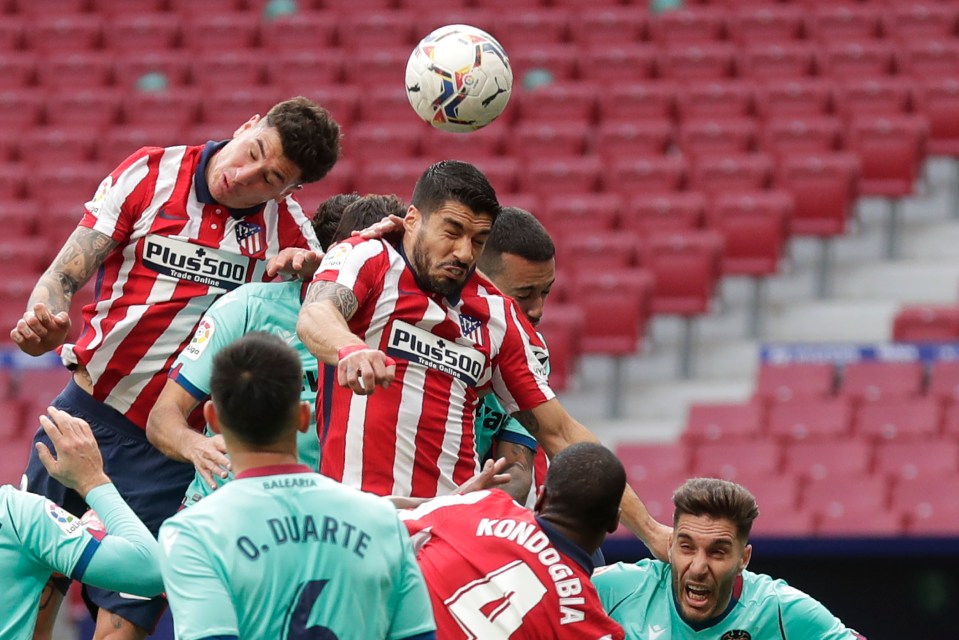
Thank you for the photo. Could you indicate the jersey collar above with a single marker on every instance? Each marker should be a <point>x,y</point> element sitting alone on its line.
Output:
<point>453,300</point>
<point>566,546</point>
<point>203,189</point>
<point>273,470</point>
<point>733,601</point>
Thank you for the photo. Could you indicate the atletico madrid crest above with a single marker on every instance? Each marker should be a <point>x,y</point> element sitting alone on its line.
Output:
<point>250,237</point>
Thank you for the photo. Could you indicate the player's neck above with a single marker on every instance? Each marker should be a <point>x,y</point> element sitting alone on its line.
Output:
<point>245,460</point>
<point>588,543</point>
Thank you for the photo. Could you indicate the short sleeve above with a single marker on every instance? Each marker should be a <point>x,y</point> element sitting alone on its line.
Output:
<point>802,616</point>
<point>412,611</point>
<point>120,198</point>
<point>355,263</point>
<point>519,375</point>
<point>49,535</point>
<point>199,599</point>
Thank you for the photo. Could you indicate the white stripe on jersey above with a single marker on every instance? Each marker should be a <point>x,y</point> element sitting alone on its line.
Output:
<point>411,407</point>
<point>353,471</point>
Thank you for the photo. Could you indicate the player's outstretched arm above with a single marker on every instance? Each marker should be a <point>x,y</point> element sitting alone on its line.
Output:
<point>45,324</point>
<point>555,429</point>
<point>168,430</point>
<point>322,327</point>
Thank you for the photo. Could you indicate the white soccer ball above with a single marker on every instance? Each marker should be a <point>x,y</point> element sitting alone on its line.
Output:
<point>458,78</point>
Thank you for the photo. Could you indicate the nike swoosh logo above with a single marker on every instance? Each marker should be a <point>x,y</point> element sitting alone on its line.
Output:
<point>655,633</point>
<point>169,216</point>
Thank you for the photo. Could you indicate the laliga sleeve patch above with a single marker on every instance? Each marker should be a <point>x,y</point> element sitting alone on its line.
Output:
<point>201,338</point>
<point>69,524</point>
<point>335,257</point>
<point>94,205</point>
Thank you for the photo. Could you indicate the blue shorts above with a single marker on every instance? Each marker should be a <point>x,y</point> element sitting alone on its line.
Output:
<point>152,484</point>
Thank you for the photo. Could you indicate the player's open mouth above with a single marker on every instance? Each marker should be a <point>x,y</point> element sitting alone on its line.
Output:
<point>697,596</point>
<point>454,272</point>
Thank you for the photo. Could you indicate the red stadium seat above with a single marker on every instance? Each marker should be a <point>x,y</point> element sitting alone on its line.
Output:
<point>205,8</point>
<point>775,494</point>
<point>612,64</point>
<point>726,421</point>
<point>220,32</point>
<point>115,9</point>
<point>849,497</point>
<point>17,70</point>
<point>845,22</point>
<point>518,29</point>
<point>874,97</point>
<point>531,139</point>
<point>777,61</point>
<point>18,218</point>
<point>502,173</point>
<point>925,58</point>
<point>647,461</point>
<point>732,460</point>
<point>237,68</point>
<point>639,101</point>
<point>795,97</point>
<point>646,176</point>
<point>586,247</point>
<point>385,104</point>
<point>13,179</point>
<point>51,33</point>
<point>382,70</point>
<point>230,106</point>
<point>913,20</point>
<point>934,522</point>
<point>367,140</point>
<point>559,102</point>
<point>11,33</point>
<point>686,268</point>
<point>718,100</point>
<point>930,504</point>
<point>697,62</point>
<point>688,26</point>
<point>789,136</point>
<point>562,327</point>
<point>24,256</point>
<point>362,30</point>
<point>873,381</point>
<point>149,31</point>
<point>910,419</point>
<point>733,173</point>
<point>754,227</point>
<point>891,150</point>
<point>561,61</point>
<point>824,187</point>
<point>609,26</point>
<point>94,109</point>
<point>944,381</point>
<point>307,67</point>
<point>49,146</point>
<point>389,176</point>
<point>856,60</point>
<point>657,494</point>
<point>680,211</point>
<point>829,459</point>
<point>343,101</point>
<point>66,187</point>
<point>75,70</point>
<point>623,139</point>
<point>568,216</point>
<point>810,420</point>
<point>845,522</point>
<point>783,524</point>
<point>15,455</point>
<point>21,109</point>
<point>561,175</point>
<point>768,23</point>
<point>719,137</point>
<point>171,66</point>
<point>117,143</point>
<point>938,100</point>
<point>438,145</point>
<point>616,307</point>
<point>299,32</point>
<point>176,109</point>
<point>926,323</point>
<point>910,460</point>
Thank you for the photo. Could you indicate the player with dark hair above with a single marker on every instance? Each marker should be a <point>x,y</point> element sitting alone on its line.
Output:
<point>328,215</point>
<point>282,552</point>
<point>38,537</point>
<point>167,232</point>
<point>705,590</point>
<point>453,338</point>
<point>272,307</point>
<point>496,570</point>
<point>519,258</point>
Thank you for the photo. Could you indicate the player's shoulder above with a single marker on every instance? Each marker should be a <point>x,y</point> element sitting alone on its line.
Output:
<point>762,589</point>
<point>353,248</point>
<point>629,577</point>
<point>268,291</point>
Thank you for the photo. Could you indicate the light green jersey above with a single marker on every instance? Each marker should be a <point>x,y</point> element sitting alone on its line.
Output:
<point>640,598</point>
<point>37,538</point>
<point>284,553</point>
<point>272,307</point>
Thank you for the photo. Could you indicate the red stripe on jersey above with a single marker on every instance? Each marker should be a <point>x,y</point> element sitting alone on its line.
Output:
<point>430,435</point>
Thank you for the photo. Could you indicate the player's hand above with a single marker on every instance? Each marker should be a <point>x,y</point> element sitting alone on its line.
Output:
<point>40,331</point>
<point>363,369</point>
<point>658,542</point>
<point>208,455</point>
<point>384,227</point>
<point>78,464</point>
<point>302,263</point>
<point>489,478</point>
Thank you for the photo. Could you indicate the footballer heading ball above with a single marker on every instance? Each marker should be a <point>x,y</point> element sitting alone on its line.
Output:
<point>458,78</point>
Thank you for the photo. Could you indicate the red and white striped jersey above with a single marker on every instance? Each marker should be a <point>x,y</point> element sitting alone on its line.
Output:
<point>416,437</point>
<point>178,250</point>
<point>494,570</point>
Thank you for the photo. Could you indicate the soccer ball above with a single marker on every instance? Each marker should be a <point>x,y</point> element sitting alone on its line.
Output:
<point>458,78</point>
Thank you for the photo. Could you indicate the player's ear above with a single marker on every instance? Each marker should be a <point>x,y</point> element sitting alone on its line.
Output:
<point>615,523</point>
<point>412,218</point>
<point>209,414</point>
<point>246,125</point>
<point>540,503</point>
<point>747,555</point>
<point>305,413</point>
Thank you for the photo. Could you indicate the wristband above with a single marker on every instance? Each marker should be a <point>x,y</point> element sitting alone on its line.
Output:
<point>353,348</point>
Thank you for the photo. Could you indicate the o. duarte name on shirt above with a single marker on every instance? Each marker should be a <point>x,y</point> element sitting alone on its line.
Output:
<point>422,347</point>
<point>193,263</point>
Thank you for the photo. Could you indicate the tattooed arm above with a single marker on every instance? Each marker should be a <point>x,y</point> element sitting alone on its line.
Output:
<point>555,429</point>
<point>45,325</point>
<point>323,328</point>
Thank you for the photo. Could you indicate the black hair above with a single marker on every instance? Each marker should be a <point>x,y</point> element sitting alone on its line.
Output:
<point>585,482</point>
<point>717,499</point>
<point>517,232</point>
<point>365,211</point>
<point>309,135</point>
<point>453,180</point>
